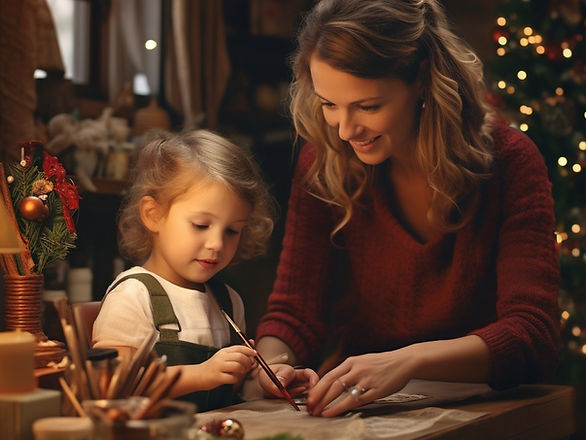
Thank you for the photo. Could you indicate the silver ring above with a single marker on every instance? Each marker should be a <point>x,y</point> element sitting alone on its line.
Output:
<point>356,391</point>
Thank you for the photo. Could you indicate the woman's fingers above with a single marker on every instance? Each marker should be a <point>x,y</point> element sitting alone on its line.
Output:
<point>350,401</point>
<point>324,392</point>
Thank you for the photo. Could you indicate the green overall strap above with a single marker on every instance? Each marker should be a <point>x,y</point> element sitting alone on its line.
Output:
<point>163,310</point>
<point>163,313</point>
<point>222,296</point>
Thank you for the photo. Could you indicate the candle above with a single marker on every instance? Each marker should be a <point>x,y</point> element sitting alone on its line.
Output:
<point>17,362</point>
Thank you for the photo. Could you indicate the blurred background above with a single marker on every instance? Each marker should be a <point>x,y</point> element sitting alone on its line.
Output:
<point>90,78</point>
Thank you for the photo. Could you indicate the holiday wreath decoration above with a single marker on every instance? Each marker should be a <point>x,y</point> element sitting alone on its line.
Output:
<point>44,202</point>
<point>41,203</point>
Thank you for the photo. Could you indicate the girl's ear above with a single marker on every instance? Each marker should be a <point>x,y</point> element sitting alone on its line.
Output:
<point>150,213</point>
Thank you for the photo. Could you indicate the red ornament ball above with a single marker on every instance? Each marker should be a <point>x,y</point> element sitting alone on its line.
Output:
<point>33,208</point>
<point>554,52</point>
<point>497,33</point>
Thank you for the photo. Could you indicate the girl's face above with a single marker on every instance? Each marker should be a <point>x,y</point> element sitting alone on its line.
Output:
<point>377,117</point>
<point>199,235</point>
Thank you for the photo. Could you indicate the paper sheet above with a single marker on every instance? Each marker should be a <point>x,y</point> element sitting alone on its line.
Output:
<point>401,416</point>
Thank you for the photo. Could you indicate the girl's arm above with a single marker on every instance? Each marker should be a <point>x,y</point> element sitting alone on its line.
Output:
<point>227,366</point>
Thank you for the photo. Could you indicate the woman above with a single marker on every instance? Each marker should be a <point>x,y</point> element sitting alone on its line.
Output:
<point>420,229</point>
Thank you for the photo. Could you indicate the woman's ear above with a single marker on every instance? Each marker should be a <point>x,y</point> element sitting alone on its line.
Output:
<point>421,83</point>
<point>150,213</point>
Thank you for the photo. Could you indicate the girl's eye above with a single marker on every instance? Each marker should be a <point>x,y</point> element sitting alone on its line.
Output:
<point>232,232</point>
<point>201,227</point>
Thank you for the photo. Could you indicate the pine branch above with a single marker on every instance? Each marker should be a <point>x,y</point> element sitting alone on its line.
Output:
<point>48,239</point>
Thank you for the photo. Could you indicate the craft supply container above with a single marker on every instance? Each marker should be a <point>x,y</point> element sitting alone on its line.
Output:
<point>110,418</point>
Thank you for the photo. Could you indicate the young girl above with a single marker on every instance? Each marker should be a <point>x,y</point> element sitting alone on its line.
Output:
<point>197,204</point>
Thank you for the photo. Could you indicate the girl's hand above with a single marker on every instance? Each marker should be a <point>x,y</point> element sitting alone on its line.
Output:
<point>228,366</point>
<point>372,376</point>
<point>295,380</point>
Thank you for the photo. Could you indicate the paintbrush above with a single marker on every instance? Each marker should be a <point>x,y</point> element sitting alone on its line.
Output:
<point>262,362</point>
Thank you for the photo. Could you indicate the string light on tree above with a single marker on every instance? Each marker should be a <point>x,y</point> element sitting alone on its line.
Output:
<point>540,78</point>
<point>526,110</point>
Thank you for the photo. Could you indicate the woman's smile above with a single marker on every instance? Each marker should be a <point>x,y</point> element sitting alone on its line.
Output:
<point>364,146</point>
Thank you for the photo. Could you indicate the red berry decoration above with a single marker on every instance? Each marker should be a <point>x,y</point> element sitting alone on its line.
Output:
<point>33,208</point>
<point>497,33</point>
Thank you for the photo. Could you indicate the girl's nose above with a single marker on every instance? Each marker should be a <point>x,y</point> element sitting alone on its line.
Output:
<point>214,241</point>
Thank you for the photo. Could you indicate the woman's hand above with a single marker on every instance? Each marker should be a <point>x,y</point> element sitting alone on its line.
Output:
<point>295,380</point>
<point>228,366</point>
<point>375,375</point>
<point>359,380</point>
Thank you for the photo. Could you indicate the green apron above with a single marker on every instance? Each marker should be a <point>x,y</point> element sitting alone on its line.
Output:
<point>186,353</point>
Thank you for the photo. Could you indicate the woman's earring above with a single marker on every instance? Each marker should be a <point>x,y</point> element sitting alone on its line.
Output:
<point>422,105</point>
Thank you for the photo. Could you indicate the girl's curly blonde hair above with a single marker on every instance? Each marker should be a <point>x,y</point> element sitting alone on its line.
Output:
<point>170,163</point>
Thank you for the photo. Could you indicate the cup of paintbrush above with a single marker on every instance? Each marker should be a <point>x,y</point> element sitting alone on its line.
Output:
<point>100,366</point>
<point>117,419</point>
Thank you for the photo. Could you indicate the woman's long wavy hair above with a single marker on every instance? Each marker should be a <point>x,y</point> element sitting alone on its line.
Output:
<point>171,163</point>
<point>408,40</point>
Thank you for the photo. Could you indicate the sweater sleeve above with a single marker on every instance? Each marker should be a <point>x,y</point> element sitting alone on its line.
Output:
<point>524,341</point>
<point>294,311</point>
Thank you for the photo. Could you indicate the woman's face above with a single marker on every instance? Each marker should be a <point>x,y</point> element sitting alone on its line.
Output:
<point>377,117</point>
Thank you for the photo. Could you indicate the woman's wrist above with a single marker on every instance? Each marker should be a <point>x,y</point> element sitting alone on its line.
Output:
<point>415,360</point>
<point>461,359</point>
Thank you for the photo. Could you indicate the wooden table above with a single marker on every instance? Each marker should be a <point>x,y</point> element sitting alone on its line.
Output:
<point>531,412</point>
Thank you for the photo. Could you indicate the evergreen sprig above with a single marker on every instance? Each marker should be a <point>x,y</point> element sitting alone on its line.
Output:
<point>48,240</point>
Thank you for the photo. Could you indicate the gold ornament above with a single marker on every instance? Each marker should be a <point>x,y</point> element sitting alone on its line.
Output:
<point>232,428</point>
<point>33,208</point>
<point>224,428</point>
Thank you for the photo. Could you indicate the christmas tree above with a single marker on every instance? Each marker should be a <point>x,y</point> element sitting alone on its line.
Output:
<point>538,82</point>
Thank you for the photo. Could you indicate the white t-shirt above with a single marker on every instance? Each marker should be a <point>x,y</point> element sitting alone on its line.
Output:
<point>126,316</point>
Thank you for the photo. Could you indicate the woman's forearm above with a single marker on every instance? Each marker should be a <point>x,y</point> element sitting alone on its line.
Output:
<point>465,359</point>
<point>271,348</point>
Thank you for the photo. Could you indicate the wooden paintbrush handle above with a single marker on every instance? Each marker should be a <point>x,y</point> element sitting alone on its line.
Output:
<point>160,394</point>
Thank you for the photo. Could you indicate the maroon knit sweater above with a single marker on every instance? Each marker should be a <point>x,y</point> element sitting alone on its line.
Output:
<point>497,278</point>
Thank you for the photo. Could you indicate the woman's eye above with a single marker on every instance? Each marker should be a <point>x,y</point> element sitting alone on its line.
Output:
<point>369,108</point>
<point>327,105</point>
